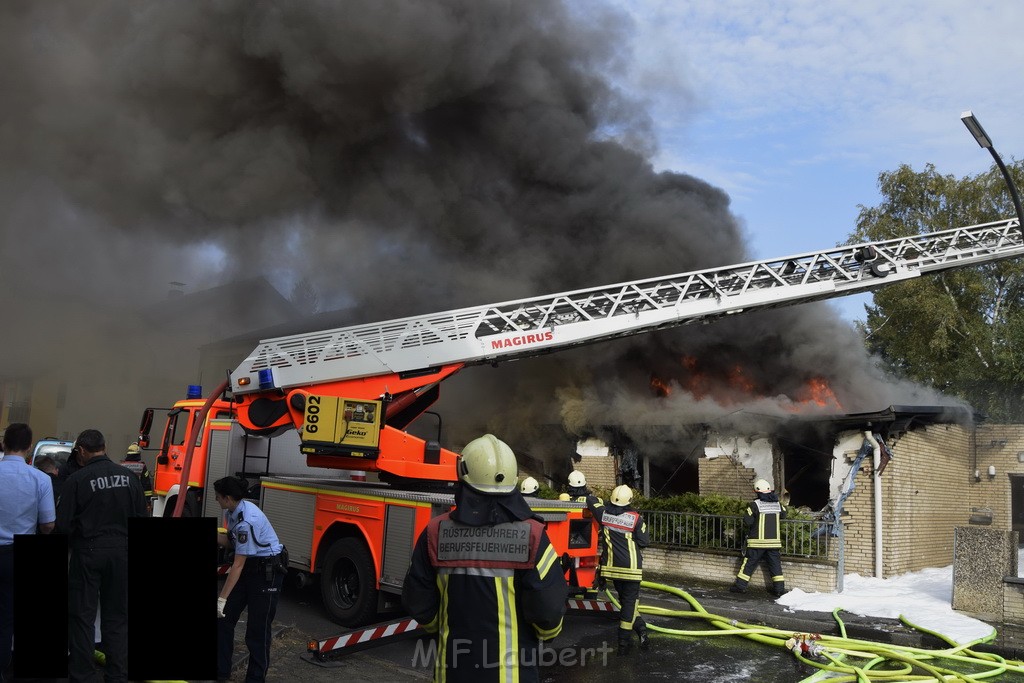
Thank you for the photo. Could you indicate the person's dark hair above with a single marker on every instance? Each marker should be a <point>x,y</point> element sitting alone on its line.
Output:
<point>47,463</point>
<point>91,441</point>
<point>231,487</point>
<point>17,437</point>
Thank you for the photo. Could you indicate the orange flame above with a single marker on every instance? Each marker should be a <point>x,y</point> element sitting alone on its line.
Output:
<point>738,386</point>
<point>817,391</point>
<point>660,387</point>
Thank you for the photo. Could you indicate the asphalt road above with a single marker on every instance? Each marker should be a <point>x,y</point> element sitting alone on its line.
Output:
<point>585,651</point>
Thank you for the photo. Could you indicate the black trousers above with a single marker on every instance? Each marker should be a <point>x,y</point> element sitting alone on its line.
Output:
<point>98,576</point>
<point>629,617</point>
<point>753,557</point>
<point>6,606</point>
<point>259,596</point>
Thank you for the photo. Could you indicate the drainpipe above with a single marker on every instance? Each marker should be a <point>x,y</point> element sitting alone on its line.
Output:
<point>877,460</point>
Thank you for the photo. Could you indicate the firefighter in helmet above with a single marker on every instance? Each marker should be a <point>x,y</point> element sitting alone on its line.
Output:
<point>577,488</point>
<point>133,461</point>
<point>623,534</point>
<point>763,518</point>
<point>529,487</point>
<point>484,577</point>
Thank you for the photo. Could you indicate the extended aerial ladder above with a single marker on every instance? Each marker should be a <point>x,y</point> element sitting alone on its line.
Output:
<point>352,390</point>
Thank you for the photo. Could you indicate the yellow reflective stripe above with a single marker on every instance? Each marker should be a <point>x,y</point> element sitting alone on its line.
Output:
<point>546,561</point>
<point>742,574</point>
<point>548,633</point>
<point>508,640</point>
<point>440,668</point>
<point>780,577</point>
<point>632,550</point>
<point>622,573</point>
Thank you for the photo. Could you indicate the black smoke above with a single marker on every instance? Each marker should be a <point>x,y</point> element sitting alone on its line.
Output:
<point>400,158</point>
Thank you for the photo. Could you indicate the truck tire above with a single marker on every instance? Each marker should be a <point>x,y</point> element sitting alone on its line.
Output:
<point>348,583</point>
<point>193,507</point>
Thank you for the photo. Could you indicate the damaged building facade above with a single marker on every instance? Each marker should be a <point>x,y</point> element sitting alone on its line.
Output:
<point>901,481</point>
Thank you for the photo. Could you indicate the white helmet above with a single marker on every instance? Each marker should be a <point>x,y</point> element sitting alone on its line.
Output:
<point>577,479</point>
<point>621,495</point>
<point>488,465</point>
<point>528,486</point>
<point>762,486</point>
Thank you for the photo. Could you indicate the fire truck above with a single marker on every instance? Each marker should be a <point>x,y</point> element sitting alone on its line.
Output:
<point>322,418</point>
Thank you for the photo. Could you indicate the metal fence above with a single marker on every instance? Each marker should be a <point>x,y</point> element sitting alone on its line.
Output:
<point>800,537</point>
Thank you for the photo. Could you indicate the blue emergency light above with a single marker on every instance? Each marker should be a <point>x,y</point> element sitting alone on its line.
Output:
<point>194,391</point>
<point>266,377</point>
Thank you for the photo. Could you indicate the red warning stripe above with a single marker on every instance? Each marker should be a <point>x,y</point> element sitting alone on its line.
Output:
<point>366,635</point>
<point>591,605</point>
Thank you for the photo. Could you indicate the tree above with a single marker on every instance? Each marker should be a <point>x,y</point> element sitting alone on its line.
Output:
<point>962,331</point>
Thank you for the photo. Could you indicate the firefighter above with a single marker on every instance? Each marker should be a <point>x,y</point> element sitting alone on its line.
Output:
<point>95,504</point>
<point>529,487</point>
<point>133,461</point>
<point>764,539</point>
<point>577,488</point>
<point>253,581</point>
<point>485,577</point>
<point>623,534</point>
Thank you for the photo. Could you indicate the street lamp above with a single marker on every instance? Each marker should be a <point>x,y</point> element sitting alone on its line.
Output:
<point>986,142</point>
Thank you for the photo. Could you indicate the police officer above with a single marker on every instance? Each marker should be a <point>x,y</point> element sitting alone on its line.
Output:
<point>95,504</point>
<point>253,581</point>
<point>485,577</point>
<point>623,534</point>
<point>764,539</point>
<point>26,507</point>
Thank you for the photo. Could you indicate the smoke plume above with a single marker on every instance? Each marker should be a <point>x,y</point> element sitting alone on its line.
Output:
<point>394,157</point>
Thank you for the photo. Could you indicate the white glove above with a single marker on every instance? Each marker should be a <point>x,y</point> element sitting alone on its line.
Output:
<point>220,606</point>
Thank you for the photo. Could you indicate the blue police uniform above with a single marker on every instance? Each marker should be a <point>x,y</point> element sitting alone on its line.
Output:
<point>27,502</point>
<point>257,589</point>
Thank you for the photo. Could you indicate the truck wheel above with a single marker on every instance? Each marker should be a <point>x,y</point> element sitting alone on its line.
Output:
<point>348,584</point>
<point>193,508</point>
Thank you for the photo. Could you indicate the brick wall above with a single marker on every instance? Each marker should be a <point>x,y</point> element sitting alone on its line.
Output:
<point>726,477</point>
<point>998,446</point>
<point>925,497</point>
<point>1013,601</point>
<point>600,472</point>
<point>710,566</point>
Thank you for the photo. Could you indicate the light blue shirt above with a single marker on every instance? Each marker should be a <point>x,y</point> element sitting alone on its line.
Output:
<point>250,531</point>
<point>27,499</point>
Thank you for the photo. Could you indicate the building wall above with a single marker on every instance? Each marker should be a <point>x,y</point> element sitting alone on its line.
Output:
<point>859,523</point>
<point>925,497</point>
<point>1013,601</point>
<point>709,566</point>
<point>600,472</point>
<point>1002,447</point>
<point>725,476</point>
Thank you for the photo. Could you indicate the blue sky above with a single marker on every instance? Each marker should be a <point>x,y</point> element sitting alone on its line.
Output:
<point>794,108</point>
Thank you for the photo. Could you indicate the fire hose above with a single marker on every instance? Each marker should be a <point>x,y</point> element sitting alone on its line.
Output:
<point>836,655</point>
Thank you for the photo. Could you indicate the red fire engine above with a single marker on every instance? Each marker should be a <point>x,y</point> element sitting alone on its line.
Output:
<point>339,402</point>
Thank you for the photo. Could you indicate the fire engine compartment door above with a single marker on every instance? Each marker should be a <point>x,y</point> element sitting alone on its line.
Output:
<point>399,539</point>
<point>291,515</point>
<point>341,426</point>
<point>218,456</point>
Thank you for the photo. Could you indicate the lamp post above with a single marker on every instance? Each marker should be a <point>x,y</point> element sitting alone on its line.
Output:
<point>986,142</point>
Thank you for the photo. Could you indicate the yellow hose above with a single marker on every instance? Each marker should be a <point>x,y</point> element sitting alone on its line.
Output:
<point>901,663</point>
